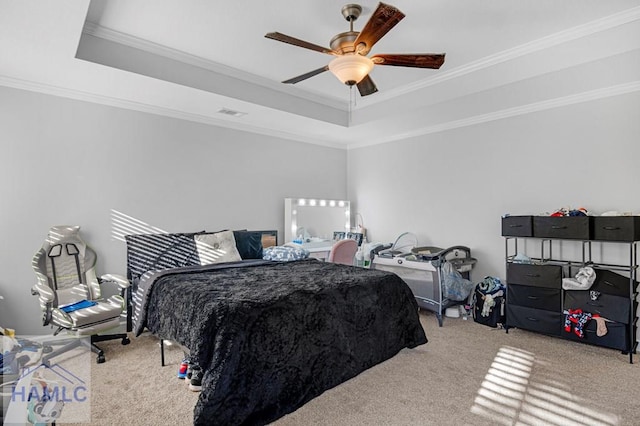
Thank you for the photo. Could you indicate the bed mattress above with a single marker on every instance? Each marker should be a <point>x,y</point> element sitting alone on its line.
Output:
<point>271,336</point>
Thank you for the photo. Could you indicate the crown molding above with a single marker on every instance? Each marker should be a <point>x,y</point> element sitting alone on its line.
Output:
<point>95,30</point>
<point>606,92</point>
<point>561,37</point>
<point>237,124</point>
<point>230,123</point>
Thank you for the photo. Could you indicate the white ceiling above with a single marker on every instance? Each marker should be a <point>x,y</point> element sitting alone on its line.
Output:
<point>189,59</point>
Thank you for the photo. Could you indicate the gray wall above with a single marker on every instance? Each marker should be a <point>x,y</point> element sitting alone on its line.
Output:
<point>453,187</point>
<point>72,162</point>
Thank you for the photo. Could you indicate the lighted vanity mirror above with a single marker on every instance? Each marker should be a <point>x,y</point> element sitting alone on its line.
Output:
<point>315,219</point>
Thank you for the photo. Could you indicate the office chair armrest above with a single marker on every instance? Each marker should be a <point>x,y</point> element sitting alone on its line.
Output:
<point>46,298</point>
<point>43,292</point>
<point>118,279</point>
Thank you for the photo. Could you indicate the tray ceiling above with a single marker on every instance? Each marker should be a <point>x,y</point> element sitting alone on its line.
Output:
<point>192,59</point>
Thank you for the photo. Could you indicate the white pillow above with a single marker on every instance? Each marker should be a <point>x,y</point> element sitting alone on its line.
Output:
<point>217,248</point>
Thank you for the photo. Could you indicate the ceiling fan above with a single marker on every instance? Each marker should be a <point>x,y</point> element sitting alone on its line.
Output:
<point>351,64</point>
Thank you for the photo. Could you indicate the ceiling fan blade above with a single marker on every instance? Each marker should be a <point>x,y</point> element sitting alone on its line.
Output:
<point>305,76</point>
<point>434,61</point>
<point>300,43</point>
<point>383,19</point>
<point>367,86</point>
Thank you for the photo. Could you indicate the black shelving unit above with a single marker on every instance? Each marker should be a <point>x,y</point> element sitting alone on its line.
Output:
<point>535,297</point>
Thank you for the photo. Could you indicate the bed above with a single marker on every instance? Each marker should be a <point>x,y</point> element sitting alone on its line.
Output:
<point>270,336</point>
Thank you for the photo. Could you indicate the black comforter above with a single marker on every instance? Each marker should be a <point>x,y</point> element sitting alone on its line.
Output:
<point>272,336</point>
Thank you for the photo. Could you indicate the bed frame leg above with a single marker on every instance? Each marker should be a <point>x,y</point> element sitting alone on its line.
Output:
<point>162,352</point>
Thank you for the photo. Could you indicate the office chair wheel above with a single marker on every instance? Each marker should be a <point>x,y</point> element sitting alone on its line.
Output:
<point>126,340</point>
<point>100,359</point>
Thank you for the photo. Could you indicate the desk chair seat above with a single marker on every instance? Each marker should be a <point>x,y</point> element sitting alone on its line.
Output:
<point>89,320</point>
<point>70,293</point>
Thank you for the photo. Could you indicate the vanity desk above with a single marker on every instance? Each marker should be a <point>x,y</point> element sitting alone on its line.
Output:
<point>317,249</point>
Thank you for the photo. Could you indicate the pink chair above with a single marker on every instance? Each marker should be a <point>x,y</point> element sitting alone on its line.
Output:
<point>343,252</point>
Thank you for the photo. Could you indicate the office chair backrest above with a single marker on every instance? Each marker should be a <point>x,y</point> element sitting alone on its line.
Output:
<point>343,252</point>
<point>66,265</point>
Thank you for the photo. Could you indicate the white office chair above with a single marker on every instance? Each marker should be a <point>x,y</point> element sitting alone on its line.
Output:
<point>69,291</point>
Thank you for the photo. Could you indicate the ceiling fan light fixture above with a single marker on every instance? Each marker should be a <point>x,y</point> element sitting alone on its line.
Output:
<point>351,69</point>
<point>350,49</point>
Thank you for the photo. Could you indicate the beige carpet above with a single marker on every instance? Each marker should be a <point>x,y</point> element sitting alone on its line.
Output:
<point>467,374</point>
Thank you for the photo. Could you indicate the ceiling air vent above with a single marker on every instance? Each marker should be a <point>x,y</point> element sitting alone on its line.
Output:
<point>227,111</point>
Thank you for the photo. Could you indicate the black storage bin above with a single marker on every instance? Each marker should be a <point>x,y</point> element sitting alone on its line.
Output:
<point>616,228</point>
<point>617,336</point>
<point>612,283</point>
<point>567,227</point>
<point>541,321</point>
<point>517,226</point>
<point>535,297</point>
<point>534,275</point>
<point>616,308</point>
